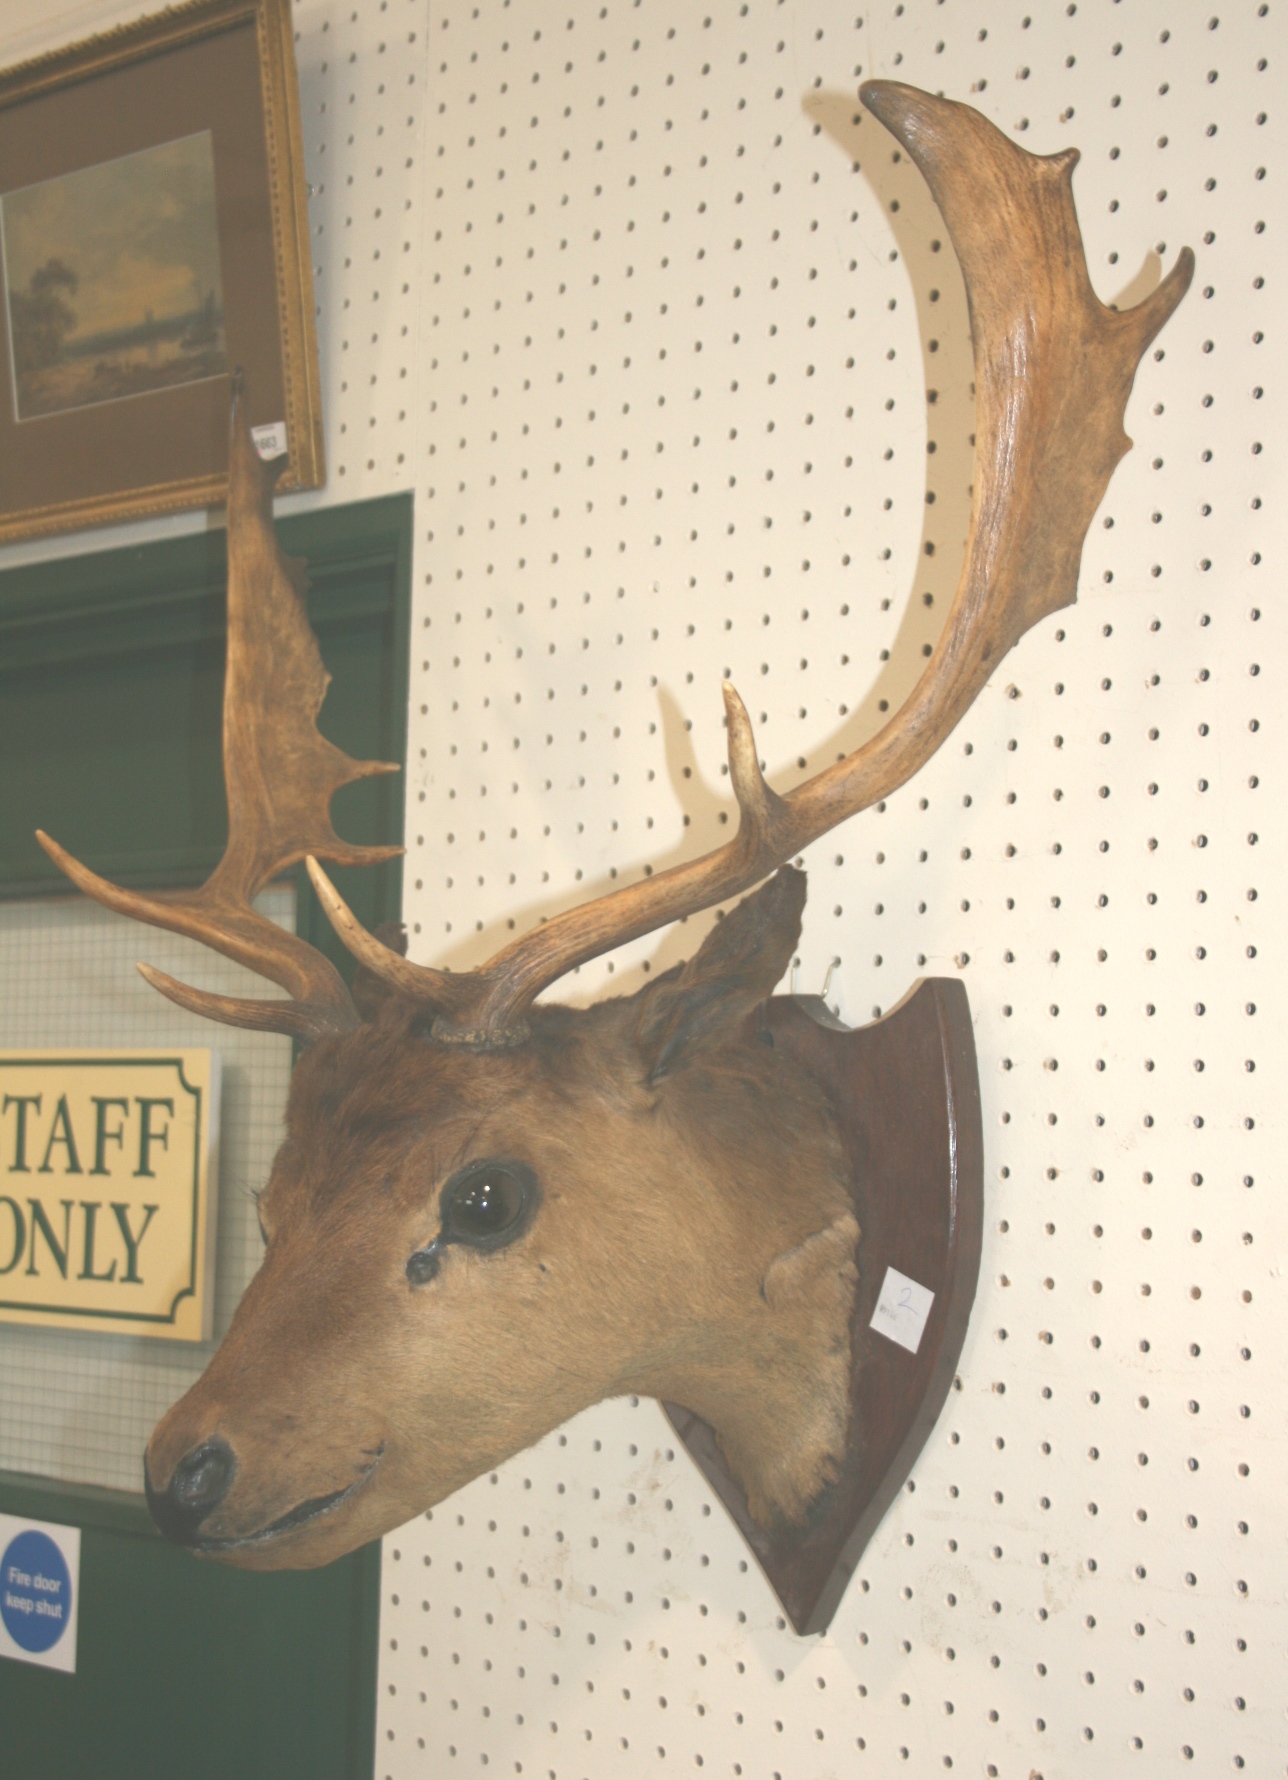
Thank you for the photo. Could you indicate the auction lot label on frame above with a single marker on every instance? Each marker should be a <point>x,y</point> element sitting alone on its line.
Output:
<point>39,1592</point>
<point>108,1186</point>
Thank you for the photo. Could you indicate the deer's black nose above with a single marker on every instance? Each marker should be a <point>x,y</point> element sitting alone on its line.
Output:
<point>198,1484</point>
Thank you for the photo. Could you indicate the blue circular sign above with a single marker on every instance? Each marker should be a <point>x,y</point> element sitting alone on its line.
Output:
<point>35,1591</point>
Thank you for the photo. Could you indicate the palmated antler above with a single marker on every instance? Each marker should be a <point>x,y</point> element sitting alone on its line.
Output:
<point>1053,371</point>
<point>280,776</point>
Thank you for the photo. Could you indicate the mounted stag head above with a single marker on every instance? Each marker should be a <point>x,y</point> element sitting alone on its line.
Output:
<point>490,1212</point>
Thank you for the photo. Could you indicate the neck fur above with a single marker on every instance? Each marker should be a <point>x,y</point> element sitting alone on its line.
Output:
<point>775,1387</point>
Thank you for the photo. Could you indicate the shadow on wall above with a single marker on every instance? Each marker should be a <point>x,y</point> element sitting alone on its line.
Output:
<point>943,327</point>
<point>939,295</point>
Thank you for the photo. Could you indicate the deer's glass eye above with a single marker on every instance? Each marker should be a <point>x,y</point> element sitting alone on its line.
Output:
<point>488,1203</point>
<point>484,1204</point>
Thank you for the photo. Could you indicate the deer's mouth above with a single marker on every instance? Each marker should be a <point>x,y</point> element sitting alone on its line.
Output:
<point>302,1515</point>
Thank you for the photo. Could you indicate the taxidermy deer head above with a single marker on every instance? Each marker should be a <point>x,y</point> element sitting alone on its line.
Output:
<point>490,1212</point>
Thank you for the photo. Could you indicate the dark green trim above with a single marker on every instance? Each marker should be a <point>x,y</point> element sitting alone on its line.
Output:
<point>75,1504</point>
<point>364,1662</point>
<point>189,1644</point>
<point>84,619</point>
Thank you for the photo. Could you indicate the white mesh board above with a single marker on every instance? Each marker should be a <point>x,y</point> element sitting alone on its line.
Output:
<point>80,1406</point>
<point>622,292</point>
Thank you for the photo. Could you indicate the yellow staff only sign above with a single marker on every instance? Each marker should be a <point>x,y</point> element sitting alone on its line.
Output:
<point>108,1185</point>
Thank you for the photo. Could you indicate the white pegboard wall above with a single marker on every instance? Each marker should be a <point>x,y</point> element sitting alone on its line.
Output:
<point>362,107</point>
<point>680,314</point>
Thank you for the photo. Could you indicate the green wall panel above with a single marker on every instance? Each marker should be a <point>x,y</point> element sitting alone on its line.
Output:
<point>187,1670</point>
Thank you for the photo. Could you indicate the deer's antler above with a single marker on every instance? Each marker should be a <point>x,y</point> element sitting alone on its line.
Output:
<point>1053,371</point>
<point>280,776</point>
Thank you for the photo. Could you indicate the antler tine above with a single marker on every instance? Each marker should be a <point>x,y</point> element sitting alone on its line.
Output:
<point>280,774</point>
<point>762,811</point>
<point>462,1001</point>
<point>439,988</point>
<point>297,1019</point>
<point>1053,370</point>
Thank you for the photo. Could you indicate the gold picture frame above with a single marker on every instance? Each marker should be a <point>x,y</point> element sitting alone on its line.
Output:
<point>154,235</point>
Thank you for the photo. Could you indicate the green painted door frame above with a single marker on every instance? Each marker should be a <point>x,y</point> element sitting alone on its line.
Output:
<point>111,682</point>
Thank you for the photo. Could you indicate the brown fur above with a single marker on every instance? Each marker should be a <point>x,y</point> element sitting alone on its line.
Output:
<point>694,1241</point>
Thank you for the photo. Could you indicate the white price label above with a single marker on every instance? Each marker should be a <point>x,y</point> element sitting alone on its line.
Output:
<point>270,441</point>
<point>902,1309</point>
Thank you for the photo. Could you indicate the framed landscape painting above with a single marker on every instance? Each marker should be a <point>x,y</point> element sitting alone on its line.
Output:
<point>153,238</point>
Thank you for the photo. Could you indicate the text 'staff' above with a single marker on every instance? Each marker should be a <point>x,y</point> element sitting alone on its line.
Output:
<point>108,1185</point>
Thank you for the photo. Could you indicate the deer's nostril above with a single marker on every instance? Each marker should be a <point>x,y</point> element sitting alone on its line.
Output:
<point>200,1481</point>
<point>198,1484</point>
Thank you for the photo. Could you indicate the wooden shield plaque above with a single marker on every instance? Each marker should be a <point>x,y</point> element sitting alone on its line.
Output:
<point>906,1094</point>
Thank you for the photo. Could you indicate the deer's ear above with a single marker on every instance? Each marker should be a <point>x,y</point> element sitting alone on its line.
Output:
<point>370,992</point>
<point>696,1006</point>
